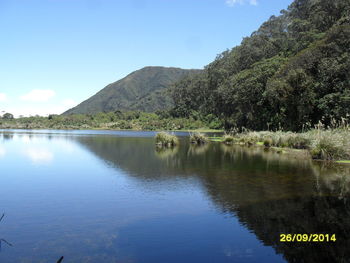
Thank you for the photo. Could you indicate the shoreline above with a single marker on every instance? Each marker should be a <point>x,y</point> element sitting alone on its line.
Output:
<point>216,139</point>
<point>205,130</point>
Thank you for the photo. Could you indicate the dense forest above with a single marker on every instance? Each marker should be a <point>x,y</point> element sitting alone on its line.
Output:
<point>292,71</point>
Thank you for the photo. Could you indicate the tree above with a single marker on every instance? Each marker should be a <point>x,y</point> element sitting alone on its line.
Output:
<point>7,116</point>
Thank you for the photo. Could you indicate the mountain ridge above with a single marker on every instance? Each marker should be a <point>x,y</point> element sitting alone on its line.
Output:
<point>143,89</point>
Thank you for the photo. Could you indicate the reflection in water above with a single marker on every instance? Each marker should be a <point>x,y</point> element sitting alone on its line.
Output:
<point>2,152</point>
<point>198,149</point>
<point>254,195</point>
<point>1,239</point>
<point>333,180</point>
<point>39,155</point>
<point>269,192</point>
<point>6,136</point>
<point>166,152</point>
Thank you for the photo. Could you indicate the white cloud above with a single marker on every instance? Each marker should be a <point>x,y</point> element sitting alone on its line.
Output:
<point>3,97</point>
<point>39,155</point>
<point>241,2</point>
<point>38,95</point>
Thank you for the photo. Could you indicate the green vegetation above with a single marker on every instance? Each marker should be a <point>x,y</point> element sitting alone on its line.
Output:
<point>228,139</point>
<point>164,139</point>
<point>322,144</point>
<point>109,121</point>
<point>198,138</point>
<point>215,139</point>
<point>143,90</point>
<point>331,145</point>
<point>343,161</point>
<point>293,70</point>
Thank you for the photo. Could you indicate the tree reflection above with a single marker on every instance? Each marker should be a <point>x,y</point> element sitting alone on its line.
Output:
<point>270,192</point>
<point>1,239</point>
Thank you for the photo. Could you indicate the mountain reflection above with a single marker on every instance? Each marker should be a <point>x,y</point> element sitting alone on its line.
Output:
<point>270,193</point>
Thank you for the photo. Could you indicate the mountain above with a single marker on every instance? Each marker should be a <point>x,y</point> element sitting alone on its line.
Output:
<point>291,73</point>
<point>145,90</point>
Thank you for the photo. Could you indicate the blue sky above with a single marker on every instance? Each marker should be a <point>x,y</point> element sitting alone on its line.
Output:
<point>56,53</point>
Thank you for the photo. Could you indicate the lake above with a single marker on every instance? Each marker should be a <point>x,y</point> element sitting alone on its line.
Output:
<point>105,196</point>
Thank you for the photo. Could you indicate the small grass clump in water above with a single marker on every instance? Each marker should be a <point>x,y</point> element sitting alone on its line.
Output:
<point>165,139</point>
<point>198,138</point>
<point>228,139</point>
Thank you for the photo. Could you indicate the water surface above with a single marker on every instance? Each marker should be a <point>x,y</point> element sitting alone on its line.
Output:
<point>113,197</point>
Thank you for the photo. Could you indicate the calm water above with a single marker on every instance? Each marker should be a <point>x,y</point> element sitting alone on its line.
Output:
<point>112,197</point>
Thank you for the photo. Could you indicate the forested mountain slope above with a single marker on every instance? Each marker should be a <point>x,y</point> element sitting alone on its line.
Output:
<point>294,70</point>
<point>144,90</point>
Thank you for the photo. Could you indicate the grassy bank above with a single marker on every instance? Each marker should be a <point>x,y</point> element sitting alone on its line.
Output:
<point>322,144</point>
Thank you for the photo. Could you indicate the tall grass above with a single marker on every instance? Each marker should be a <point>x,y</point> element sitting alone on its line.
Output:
<point>165,139</point>
<point>198,138</point>
<point>229,139</point>
<point>325,143</point>
<point>330,144</point>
